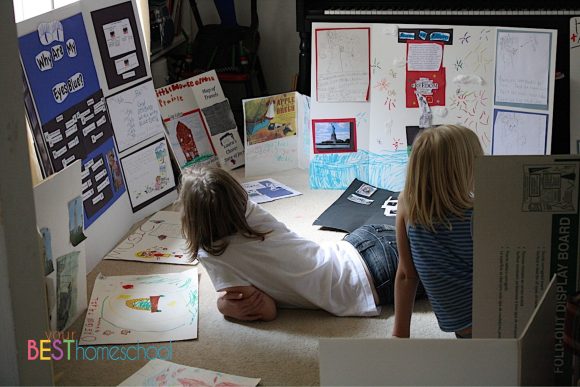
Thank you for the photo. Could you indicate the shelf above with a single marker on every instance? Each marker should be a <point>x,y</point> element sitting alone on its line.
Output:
<point>177,41</point>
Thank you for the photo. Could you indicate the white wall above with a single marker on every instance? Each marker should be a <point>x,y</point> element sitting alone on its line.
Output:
<point>22,291</point>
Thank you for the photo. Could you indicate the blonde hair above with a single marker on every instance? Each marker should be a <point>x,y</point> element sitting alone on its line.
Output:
<point>440,175</point>
<point>213,206</point>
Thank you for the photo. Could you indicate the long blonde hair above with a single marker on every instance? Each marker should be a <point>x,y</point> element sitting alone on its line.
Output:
<point>440,175</point>
<point>213,206</point>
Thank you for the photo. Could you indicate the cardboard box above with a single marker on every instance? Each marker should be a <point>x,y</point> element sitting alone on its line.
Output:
<point>525,231</point>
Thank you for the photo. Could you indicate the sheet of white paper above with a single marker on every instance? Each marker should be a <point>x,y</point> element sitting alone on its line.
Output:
<point>424,56</point>
<point>267,190</point>
<point>119,37</point>
<point>342,58</point>
<point>158,240</point>
<point>142,309</point>
<point>164,373</point>
<point>523,68</point>
<point>518,133</point>
<point>148,173</point>
<point>135,115</point>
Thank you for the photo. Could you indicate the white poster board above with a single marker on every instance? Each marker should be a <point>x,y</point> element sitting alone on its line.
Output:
<point>423,76</point>
<point>445,362</point>
<point>513,264</point>
<point>142,309</point>
<point>74,58</point>
<point>59,218</point>
<point>197,114</point>
<point>158,239</point>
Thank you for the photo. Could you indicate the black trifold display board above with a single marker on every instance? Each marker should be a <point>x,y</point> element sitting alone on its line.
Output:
<point>347,215</point>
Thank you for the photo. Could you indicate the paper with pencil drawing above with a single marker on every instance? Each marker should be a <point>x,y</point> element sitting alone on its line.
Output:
<point>164,373</point>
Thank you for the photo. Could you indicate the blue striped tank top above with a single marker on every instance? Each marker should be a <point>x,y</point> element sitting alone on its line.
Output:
<point>444,262</point>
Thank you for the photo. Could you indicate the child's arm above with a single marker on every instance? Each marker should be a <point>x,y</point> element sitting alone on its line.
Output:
<point>247,303</point>
<point>406,279</point>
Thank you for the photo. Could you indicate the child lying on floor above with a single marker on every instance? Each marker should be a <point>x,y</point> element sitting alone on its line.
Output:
<point>260,264</point>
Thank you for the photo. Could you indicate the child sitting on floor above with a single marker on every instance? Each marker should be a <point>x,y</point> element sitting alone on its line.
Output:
<point>434,229</point>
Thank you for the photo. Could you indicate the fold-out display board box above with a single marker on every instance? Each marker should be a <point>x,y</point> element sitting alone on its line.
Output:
<point>372,362</point>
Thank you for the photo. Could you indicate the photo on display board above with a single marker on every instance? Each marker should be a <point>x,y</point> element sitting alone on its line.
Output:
<point>119,44</point>
<point>334,135</point>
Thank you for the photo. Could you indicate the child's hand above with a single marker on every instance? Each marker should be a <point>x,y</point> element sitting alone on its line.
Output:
<point>247,303</point>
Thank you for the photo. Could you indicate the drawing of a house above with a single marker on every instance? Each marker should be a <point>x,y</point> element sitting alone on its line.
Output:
<point>186,141</point>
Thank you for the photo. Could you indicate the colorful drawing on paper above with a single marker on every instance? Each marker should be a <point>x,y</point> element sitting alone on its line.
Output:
<point>270,118</point>
<point>47,250</point>
<point>337,170</point>
<point>159,372</point>
<point>75,221</point>
<point>334,135</point>
<point>142,309</point>
<point>189,139</point>
<point>158,239</point>
<point>148,174</point>
<point>66,288</point>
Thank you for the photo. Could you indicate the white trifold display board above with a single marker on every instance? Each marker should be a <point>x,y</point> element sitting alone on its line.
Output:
<point>373,86</point>
<point>525,360</point>
<point>89,96</point>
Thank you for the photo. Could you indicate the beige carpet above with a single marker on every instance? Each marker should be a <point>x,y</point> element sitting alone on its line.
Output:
<point>281,352</point>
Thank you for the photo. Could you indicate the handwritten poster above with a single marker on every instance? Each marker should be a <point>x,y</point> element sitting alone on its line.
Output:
<point>522,72</point>
<point>135,115</point>
<point>159,239</point>
<point>159,372</point>
<point>204,92</point>
<point>342,64</point>
<point>66,104</point>
<point>148,174</point>
<point>142,309</point>
<point>424,56</point>
<point>519,133</point>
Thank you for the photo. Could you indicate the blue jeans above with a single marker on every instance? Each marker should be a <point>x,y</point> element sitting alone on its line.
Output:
<point>377,245</point>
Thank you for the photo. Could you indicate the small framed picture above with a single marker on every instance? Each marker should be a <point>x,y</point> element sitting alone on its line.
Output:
<point>366,190</point>
<point>334,135</point>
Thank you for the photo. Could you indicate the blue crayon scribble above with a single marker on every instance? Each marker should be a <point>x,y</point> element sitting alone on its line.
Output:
<point>442,36</point>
